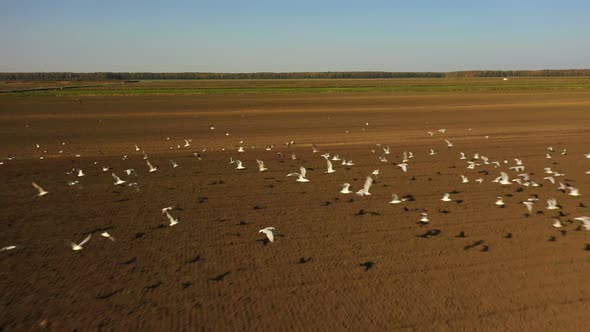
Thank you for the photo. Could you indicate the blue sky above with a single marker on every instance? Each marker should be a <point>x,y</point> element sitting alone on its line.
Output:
<point>249,36</point>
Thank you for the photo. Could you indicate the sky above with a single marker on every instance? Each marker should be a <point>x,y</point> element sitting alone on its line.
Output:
<point>297,35</point>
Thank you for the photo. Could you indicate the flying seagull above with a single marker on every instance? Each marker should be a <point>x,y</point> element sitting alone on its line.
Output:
<point>366,187</point>
<point>152,168</point>
<point>76,247</point>
<point>301,175</point>
<point>261,166</point>
<point>345,189</point>
<point>118,180</point>
<point>42,192</point>
<point>269,232</point>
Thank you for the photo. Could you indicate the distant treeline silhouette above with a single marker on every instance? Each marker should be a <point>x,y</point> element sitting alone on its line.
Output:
<point>107,76</point>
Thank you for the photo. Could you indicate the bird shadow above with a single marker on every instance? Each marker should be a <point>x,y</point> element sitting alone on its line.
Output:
<point>367,265</point>
<point>220,277</point>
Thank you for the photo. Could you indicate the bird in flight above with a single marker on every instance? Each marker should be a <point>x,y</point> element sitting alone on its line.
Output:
<point>41,191</point>
<point>301,175</point>
<point>270,233</point>
<point>76,247</point>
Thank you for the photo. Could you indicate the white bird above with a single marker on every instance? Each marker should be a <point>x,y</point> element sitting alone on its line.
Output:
<point>449,143</point>
<point>550,179</point>
<point>336,157</point>
<point>499,201</point>
<point>240,149</point>
<point>424,218</point>
<point>557,223</point>
<point>345,189</point>
<point>464,179</point>
<point>430,133</point>
<point>137,149</point>
<point>462,156</point>
<point>118,180</point>
<point>270,233</point>
<point>432,152</point>
<point>261,166</point>
<point>239,165</point>
<point>395,199</point>
<point>301,175</point>
<point>442,130</point>
<point>168,208</point>
<point>446,197</point>
<point>130,171</point>
<point>564,152</point>
<point>547,156</point>
<point>480,180</point>
<point>80,173</point>
<point>107,235</point>
<point>587,155</point>
<point>78,246</point>
<point>529,206</point>
<point>573,191</point>
<point>171,219</point>
<point>329,165</point>
<point>387,150</point>
<point>187,143</point>
<point>550,148</point>
<point>552,204</point>
<point>366,187</point>
<point>152,168</point>
<point>585,221</point>
<point>42,191</point>
<point>375,172</point>
<point>174,164</point>
<point>504,180</point>
<point>105,169</point>
<point>403,166</point>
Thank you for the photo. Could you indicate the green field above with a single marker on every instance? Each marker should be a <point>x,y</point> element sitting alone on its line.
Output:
<point>180,87</point>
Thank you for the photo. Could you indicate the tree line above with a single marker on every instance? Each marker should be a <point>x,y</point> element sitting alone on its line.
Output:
<point>133,76</point>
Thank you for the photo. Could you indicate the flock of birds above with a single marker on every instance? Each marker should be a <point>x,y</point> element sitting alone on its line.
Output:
<point>477,160</point>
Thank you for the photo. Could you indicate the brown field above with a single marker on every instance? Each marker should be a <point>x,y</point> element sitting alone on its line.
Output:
<point>213,271</point>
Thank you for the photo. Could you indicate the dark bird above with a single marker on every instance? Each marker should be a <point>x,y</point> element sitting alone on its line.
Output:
<point>368,265</point>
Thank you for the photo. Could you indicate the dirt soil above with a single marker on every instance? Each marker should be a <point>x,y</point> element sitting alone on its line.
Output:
<point>339,262</point>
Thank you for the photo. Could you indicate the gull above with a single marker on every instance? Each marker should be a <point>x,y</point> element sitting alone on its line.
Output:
<point>268,148</point>
<point>499,201</point>
<point>168,208</point>
<point>295,157</point>
<point>300,175</point>
<point>366,187</point>
<point>73,183</point>
<point>585,221</point>
<point>504,179</point>
<point>462,156</point>
<point>187,143</point>
<point>562,187</point>
<point>430,133</point>
<point>472,164</point>
<point>314,148</point>
<point>105,169</point>
<point>395,199</point>
<point>550,148</point>
<point>137,149</point>
<point>464,179</point>
<point>345,189</point>
<point>152,168</point>
<point>550,179</point>
<point>387,149</point>
<point>557,223</point>
<point>77,247</point>
<point>261,166</point>
<point>174,164</point>
<point>446,197</point>
<point>442,130</point>
<point>107,235</point>
<point>588,172</point>
<point>42,192</point>
<point>125,157</point>
<point>518,161</point>
<point>325,155</point>
<point>270,233</point>
<point>383,159</point>
<point>573,191</point>
<point>449,143</point>
<point>403,166</point>
<point>496,164</point>
<point>375,172</point>
<point>564,152</point>
<point>432,152</point>
<point>118,180</point>
<point>480,180</point>
<point>552,204</point>
<point>240,149</point>
<point>587,155</point>
<point>171,219</point>
<point>130,171</point>
<point>239,165</point>
<point>80,173</point>
<point>424,219</point>
<point>529,206</point>
<point>336,157</point>
<point>519,168</point>
<point>547,156</point>
<point>349,163</point>
<point>7,248</point>
<point>329,165</point>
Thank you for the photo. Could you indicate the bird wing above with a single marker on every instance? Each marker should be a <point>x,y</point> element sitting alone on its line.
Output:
<point>149,164</point>
<point>329,165</point>
<point>37,187</point>
<point>86,239</point>
<point>394,197</point>
<point>504,176</point>
<point>368,184</point>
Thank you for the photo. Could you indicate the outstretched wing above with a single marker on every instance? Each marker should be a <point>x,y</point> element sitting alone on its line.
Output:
<point>37,187</point>
<point>368,184</point>
<point>86,239</point>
